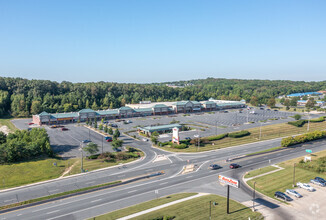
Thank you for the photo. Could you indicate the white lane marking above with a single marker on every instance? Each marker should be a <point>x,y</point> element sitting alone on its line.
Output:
<point>177,173</point>
<point>20,214</point>
<point>188,177</point>
<point>201,165</point>
<point>53,212</point>
<point>90,182</point>
<point>172,165</point>
<point>96,200</point>
<point>212,171</point>
<point>53,190</point>
<point>121,175</point>
<point>169,159</point>
<point>9,200</point>
<point>133,191</point>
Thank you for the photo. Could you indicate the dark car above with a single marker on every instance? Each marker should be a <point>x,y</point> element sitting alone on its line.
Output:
<point>117,149</point>
<point>234,165</point>
<point>268,109</point>
<point>320,179</point>
<point>214,166</point>
<point>275,110</point>
<point>283,196</point>
<point>64,129</point>
<point>107,137</point>
<point>30,123</point>
<point>86,141</point>
<point>261,108</point>
<point>187,138</point>
<point>114,125</point>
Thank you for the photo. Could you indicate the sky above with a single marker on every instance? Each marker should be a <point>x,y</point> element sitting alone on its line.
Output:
<point>144,41</point>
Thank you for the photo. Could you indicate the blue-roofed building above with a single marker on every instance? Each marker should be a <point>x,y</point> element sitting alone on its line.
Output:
<point>148,130</point>
<point>304,94</point>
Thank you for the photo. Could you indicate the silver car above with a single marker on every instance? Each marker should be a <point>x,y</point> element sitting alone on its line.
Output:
<point>293,193</point>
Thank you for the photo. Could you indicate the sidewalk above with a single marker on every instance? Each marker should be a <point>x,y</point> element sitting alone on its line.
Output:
<point>161,206</point>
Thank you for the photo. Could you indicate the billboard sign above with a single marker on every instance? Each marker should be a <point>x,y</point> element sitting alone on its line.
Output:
<point>175,136</point>
<point>229,181</point>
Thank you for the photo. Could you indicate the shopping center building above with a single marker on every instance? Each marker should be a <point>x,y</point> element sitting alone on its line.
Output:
<point>137,110</point>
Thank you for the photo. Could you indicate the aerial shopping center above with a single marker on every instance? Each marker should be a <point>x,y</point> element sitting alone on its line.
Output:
<point>145,108</point>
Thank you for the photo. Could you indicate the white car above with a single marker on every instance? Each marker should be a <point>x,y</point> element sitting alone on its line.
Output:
<point>293,193</point>
<point>145,139</point>
<point>306,186</point>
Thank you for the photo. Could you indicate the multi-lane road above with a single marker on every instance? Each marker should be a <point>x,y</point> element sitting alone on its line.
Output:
<point>202,179</point>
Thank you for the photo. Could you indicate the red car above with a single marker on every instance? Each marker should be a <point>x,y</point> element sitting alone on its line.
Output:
<point>64,129</point>
<point>109,140</point>
<point>234,165</point>
<point>30,123</point>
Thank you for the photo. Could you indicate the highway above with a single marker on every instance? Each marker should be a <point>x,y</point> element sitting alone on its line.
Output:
<point>201,180</point>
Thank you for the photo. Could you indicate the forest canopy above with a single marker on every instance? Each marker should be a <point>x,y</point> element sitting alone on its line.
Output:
<point>22,97</point>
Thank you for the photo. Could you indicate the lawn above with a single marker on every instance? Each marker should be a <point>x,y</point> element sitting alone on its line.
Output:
<point>260,171</point>
<point>198,209</point>
<point>265,151</point>
<point>143,206</point>
<point>282,180</point>
<point>7,122</point>
<point>267,132</point>
<point>22,173</point>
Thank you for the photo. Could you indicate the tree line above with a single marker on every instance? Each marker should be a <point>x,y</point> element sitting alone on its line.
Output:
<point>23,98</point>
<point>24,145</point>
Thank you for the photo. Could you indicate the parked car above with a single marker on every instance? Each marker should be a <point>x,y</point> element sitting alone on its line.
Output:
<point>283,196</point>
<point>320,179</point>
<point>117,149</point>
<point>114,125</point>
<point>214,166</point>
<point>64,129</point>
<point>261,108</point>
<point>293,193</point>
<point>234,166</point>
<point>187,138</point>
<point>145,139</point>
<point>108,139</point>
<point>129,121</point>
<point>268,109</point>
<point>53,126</point>
<point>28,129</point>
<point>317,182</point>
<point>306,186</point>
<point>86,141</point>
<point>31,123</point>
<point>275,110</point>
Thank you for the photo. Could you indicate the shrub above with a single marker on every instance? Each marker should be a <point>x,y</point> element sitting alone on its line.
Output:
<point>297,117</point>
<point>112,160</point>
<point>180,146</point>
<point>239,134</point>
<point>321,119</point>
<point>217,137</point>
<point>93,157</point>
<point>289,141</point>
<point>298,123</point>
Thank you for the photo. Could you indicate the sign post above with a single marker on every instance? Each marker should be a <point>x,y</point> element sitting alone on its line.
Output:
<point>229,182</point>
<point>175,135</point>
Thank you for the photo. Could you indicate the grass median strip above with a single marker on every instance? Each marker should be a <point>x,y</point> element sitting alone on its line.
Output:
<point>58,195</point>
<point>142,206</point>
<point>265,151</point>
<point>260,171</point>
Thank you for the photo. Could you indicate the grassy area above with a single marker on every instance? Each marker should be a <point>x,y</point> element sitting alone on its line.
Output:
<point>56,195</point>
<point>7,122</point>
<point>260,171</point>
<point>22,173</point>
<point>143,206</point>
<point>265,151</point>
<point>282,180</point>
<point>267,132</point>
<point>198,208</point>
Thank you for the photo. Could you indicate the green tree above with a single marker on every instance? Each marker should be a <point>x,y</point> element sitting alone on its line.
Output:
<point>100,127</point>
<point>95,123</point>
<point>106,128</point>
<point>110,131</point>
<point>117,143</point>
<point>91,148</point>
<point>36,107</point>
<point>254,101</point>
<point>310,103</point>
<point>287,103</point>
<point>3,137</point>
<point>116,133</point>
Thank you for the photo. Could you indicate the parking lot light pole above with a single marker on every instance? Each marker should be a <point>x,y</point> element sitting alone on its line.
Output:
<point>197,136</point>
<point>253,197</point>
<point>82,155</point>
<point>293,175</point>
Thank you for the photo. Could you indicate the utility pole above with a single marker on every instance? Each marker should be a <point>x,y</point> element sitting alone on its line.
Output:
<point>228,201</point>
<point>253,197</point>
<point>210,210</point>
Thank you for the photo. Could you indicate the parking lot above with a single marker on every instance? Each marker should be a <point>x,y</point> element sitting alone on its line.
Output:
<point>67,143</point>
<point>311,205</point>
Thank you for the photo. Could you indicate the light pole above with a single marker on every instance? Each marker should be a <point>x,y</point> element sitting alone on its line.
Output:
<point>253,197</point>
<point>82,155</point>
<point>293,175</point>
<point>197,136</point>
